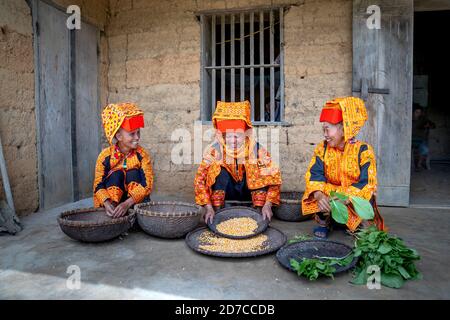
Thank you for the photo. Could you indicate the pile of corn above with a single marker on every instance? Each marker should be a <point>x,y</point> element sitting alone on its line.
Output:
<point>213,243</point>
<point>238,226</point>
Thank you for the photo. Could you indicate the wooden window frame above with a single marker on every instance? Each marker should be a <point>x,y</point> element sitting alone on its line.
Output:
<point>209,20</point>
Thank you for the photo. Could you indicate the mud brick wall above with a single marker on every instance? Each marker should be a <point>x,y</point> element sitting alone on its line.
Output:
<point>17,112</point>
<point>154,55</point>
<point>150,54</point>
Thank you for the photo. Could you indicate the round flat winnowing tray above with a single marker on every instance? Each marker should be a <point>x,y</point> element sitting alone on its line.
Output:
<point>314,248</point>
<point>276,239</point>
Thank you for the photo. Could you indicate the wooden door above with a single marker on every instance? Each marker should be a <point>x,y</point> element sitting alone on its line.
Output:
<point>87,108</point>
<point>382,76</point>
<point>67,109</point>
<point>53,109</point>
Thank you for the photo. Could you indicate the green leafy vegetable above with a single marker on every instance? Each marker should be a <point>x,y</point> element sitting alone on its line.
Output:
<point>312,268</point>
<point>298,238</point>
<point>395,260</point>
<point>339,211</point>
<point>362,207</point>
<point>338,195</point>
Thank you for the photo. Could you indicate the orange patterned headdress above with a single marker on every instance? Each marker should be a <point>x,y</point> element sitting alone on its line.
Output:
<point>350,110</point>
<point>232,115</point>
<point>125,115</point>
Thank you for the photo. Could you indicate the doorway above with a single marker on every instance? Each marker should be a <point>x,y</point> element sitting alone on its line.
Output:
<point>430,169</point>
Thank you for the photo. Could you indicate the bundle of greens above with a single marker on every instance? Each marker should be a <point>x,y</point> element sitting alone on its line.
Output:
<point>374,248</point>
<point>393,258</point>
<point>312,268</point>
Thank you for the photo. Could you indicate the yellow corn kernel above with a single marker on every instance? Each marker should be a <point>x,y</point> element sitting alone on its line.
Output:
<point>243,226</point>
<point>213,243</point>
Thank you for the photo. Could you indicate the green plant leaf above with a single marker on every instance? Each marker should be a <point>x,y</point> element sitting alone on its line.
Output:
<point>362,207</point>
<point>314,275</point>
<point>339,212</point>
<point>294,264</point>
<point>360,278</point>
<point>338,195</point>
<point>344,261</point>
<point>392,280</point>
<point>320,266</point>
<point>299,238</point>
<point>373,237</point>
<point>313,268</point>
<point>404,273</point>
<point>384,248</point>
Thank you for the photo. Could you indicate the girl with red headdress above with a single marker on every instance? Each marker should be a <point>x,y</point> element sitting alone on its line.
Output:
<point>235,166</point>
<point>342,164</point>
<point>123,172</point>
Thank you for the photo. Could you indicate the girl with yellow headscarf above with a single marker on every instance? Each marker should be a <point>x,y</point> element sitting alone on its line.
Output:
<point>123,172</point>
<point>341,164</point>
<point>235,166</point>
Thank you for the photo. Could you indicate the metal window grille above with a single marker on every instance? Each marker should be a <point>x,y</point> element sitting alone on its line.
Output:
<point>242,59</point>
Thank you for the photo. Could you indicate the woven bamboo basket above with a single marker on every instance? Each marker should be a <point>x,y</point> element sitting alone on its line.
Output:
<point>290,208</point>
<point>93,224</point>
<point>168,219</point>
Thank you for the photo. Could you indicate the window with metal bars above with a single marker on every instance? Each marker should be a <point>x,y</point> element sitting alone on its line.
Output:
<point>242,59</point>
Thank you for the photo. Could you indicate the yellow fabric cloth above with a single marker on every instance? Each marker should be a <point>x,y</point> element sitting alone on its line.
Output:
<point>232,111</point>
<point>113,116</point>
<point>354,114</point>
<point>352,171</point>
<point>111,160</point>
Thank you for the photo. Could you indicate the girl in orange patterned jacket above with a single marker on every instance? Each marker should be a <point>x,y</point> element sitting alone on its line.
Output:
<point>235,166</point>
<point>340,163</point>
<point>123,172</point>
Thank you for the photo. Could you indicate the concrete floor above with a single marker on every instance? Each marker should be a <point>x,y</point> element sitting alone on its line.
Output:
<point>431,187</point>
<point>33,265</point>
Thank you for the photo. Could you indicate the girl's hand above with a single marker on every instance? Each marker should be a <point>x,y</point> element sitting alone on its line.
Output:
<point>267,211</point>
<point>209,216</point>
<point>122,209</point>
<point>109,208</point>
<point>323,201</point>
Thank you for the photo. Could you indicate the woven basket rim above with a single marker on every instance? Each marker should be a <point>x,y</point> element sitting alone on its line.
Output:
<point>237,207</point>
<point>87,224</point>
<point>290,201</point>
<point>150,213</point>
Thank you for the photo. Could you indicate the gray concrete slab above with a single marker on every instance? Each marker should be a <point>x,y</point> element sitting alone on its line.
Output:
<point>33,265</point>
<point>431,187</point>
